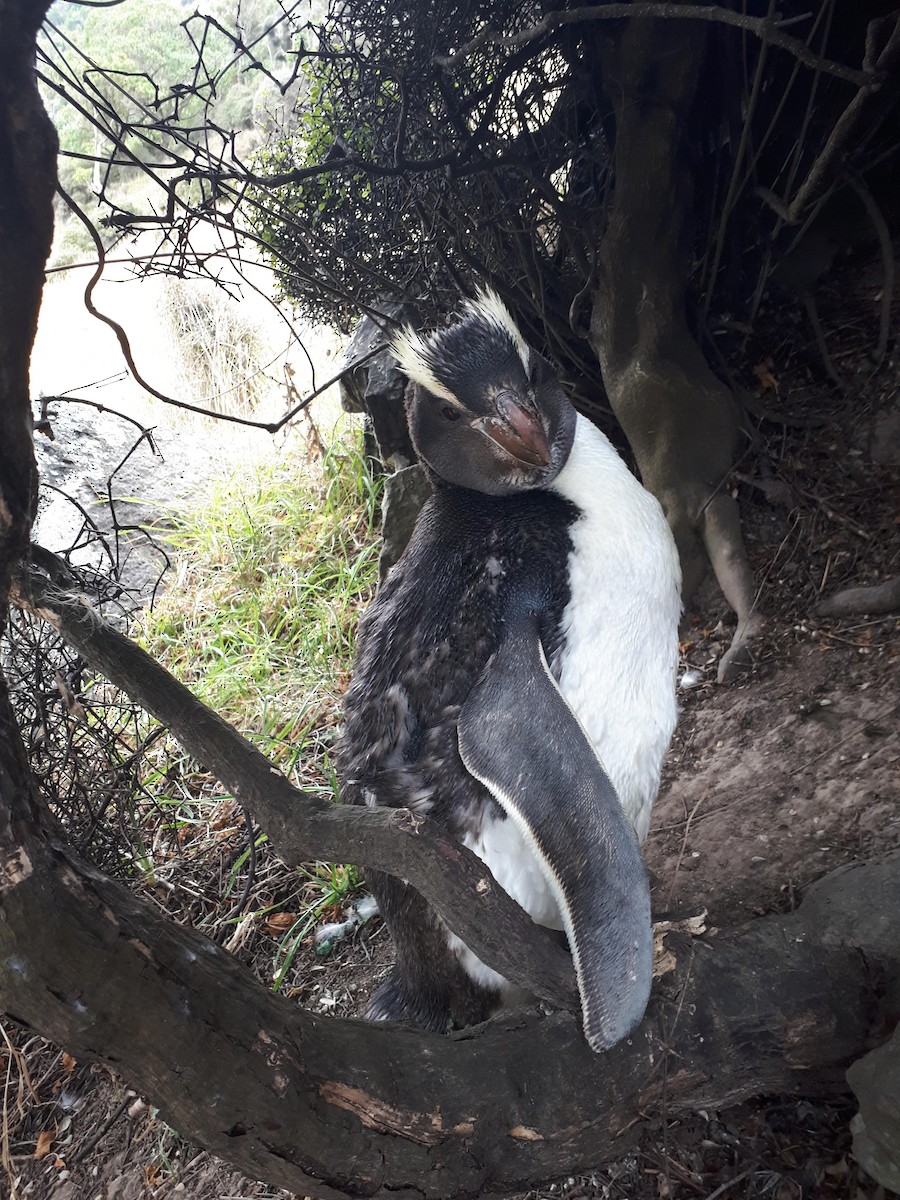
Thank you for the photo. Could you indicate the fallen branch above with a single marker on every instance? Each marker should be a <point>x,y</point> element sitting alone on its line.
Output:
<point>304,827</point>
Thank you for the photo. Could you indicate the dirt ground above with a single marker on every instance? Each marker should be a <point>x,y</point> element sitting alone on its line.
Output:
<point>769,784</point>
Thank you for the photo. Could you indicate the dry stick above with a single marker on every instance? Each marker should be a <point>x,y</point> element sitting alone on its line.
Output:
<point>862,723</point>
<point>89,523</point>
<point>687,830</point>
<point>95,1137</point>
<point>46,401</point>
<point>870,83</point>
<point>761,27</point>
<point>785,96</point>
<point>825,10</point>
<point>723,1188</point>
<point>17,1057</point>
<point>887,259</point>
<point>302,826</point>
<point>800,142</point>
<point>812,314</point>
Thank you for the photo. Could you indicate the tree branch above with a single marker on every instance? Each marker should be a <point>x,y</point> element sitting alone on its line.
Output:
<point>336,1108</point>
<point>767,31</point>
<point>843,127</point>
<point>304,827</point>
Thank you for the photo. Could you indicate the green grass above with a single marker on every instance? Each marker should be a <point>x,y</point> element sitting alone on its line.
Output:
<point>272,572</point>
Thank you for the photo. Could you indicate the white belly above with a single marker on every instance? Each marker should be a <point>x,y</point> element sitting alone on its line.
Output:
<point>617,665</point>
<point>504,851</point>
<point>620,654</point>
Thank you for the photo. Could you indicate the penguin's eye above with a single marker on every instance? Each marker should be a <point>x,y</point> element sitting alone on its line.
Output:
<point>451,413</point>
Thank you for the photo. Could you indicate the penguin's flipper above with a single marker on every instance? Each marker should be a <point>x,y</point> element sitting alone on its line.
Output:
<point>518,737</point>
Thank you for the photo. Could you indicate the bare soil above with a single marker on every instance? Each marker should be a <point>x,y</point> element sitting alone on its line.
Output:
<point>770,784</point>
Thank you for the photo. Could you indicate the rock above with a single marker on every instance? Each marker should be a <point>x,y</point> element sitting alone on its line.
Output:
<point>94,451</point>
<point>876,1128</point>
<point>884,441</point>
<point>404,494</point>
<point>376,386</point>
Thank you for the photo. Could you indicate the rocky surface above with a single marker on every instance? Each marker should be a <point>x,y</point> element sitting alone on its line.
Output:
<point>108,492</point>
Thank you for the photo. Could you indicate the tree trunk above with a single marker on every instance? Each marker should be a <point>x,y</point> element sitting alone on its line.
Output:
<point>28,148</point>
<point>338,1108</point>
<point>680,420</point>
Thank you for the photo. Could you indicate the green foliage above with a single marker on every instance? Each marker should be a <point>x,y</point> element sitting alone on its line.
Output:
<point>416,177</point>
<point>336,209</point>
<point>155,78</point>
<point>329,886</point>
<point>261,622</point>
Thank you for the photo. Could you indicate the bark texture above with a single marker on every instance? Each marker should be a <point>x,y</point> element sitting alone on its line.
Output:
<point>339,1108</point>
<point>680,420</point>
<point>27,178</point>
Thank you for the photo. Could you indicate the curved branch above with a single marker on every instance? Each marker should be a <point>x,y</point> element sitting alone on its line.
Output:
<point>304,827</point>
<point>125,346</point>
<point>767,31</point>
<point>336,1108</point>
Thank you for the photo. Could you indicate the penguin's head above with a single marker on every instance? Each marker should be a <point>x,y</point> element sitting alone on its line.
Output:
<point>485,411</point>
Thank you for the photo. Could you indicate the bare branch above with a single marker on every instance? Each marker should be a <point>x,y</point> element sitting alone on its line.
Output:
<point>768,31</point>
<point>125,346</point>
<point>843,127</point>
<point>304,827</point>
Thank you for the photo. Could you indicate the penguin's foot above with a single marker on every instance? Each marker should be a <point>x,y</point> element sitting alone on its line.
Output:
<point>396,1000</point>
<point>434,1004</point>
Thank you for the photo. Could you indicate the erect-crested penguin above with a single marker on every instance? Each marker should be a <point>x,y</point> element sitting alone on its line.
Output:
<point>515,676</point>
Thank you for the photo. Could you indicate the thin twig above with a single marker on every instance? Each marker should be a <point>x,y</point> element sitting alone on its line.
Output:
<point>687,830</point>
<point>146,432</point>
<point>95,1137</point>
<point>871,82</point>
<point>723,1188</point>
<point>125,346</point>
<point>887,259</point>
<point>862,723</point>
<point>732,192</point>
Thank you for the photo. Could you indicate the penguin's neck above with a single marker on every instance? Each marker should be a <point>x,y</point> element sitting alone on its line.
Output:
<point>593,472</point>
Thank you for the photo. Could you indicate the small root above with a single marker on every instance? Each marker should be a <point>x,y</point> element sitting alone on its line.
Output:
<point>862,601</point>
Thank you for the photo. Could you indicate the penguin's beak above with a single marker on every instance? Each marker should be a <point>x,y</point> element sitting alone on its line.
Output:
<point>517,430</point>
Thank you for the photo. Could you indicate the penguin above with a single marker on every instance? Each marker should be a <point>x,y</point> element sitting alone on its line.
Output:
<point>515,676</point>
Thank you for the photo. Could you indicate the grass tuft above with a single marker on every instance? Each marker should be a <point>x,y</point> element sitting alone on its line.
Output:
<point>260,621</point>
<point>272,572</point>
